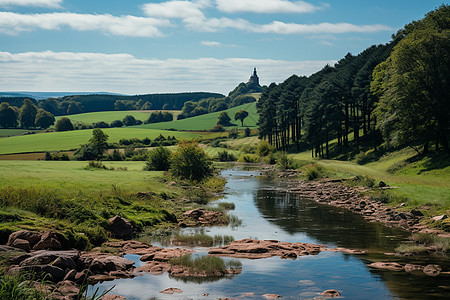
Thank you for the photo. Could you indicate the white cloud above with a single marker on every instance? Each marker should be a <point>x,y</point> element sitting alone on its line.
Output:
<point>217,44</point>
<point>39,3</point>
<point>265,6</point>
<point>211,44</point>
<point>293,28</point>
<point>13,23</point>
<point>124,73</point>
<point>175,9</point>
<point>192,15</point>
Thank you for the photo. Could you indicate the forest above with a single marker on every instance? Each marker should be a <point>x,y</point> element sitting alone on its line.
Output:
<point>395,95</point>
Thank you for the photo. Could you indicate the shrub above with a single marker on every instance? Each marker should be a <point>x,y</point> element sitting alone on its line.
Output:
<point>284,162</point>
<point>115,156</point>
<point>217,128</point>
<point>225,156</point>
<point>64,124</point>
<point>247,132</point>
<point>233,134</point>
<point>248,158</point>
<point>116,123</point>
<point>85,152</point>
<point>190,162</point>
<point>314,171</point>
<point>264,148</point>
<point>158,159</point>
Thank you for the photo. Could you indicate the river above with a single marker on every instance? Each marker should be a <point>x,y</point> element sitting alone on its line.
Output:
<point>267,211</point>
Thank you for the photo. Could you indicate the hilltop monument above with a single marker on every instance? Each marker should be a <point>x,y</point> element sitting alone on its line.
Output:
<point>254,79</point>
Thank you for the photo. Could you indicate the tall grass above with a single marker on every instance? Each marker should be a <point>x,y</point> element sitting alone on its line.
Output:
<point>211,265</point>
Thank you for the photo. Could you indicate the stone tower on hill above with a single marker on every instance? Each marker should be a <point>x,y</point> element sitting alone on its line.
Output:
<point>254,79</point>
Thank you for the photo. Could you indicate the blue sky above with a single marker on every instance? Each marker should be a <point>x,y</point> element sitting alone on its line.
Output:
<point>136,47</point>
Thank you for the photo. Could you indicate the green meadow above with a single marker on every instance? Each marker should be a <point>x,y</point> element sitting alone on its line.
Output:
<point>110,116</point>
<point>57,141</point>
<point>208,121</point>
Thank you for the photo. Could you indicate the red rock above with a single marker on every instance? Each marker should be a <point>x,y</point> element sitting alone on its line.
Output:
<point>113,297</point>
<point>271,296</point>
<point>31,236</point>
<point>413,268</point>
<point>120,227</point>
<point>432,270</point>
<point>21,244</point>
<point>170,291</point>
<point>330,294</point>
<point>392,266</point>
<point>48,241</point>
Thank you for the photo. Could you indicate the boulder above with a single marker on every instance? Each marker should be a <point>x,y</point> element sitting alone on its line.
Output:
<point>439,218</point>
<point>47,272</point>
<point>70,275</point>
<point>110,263</point>
<point>44,257</point>
<point>21,244</point>
<point>67,289</point>
<point>271,296</point>
<point>170,291</point>
<point>432,270</point>
<point>120,227</point>
<point>49,240</point>
<point>392,266</point>
<point>413,268</point>
<point>31,236</point>
<point>330,293</point>
<point>113,297</point>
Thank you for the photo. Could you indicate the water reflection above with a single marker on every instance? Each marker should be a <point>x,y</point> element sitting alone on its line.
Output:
<point>269,213</point>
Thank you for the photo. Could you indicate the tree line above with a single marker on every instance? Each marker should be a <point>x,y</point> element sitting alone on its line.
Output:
<point>397,93</point>
<point>75,104</point>
<point>27,116</point>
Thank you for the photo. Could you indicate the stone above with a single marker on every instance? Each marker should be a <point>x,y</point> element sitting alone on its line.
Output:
<point>64,263</point>
<point>330,293</point>
<point>21,244</point>
<point>120,227</point>
<point>47,272</point>
<point>171,291</point>
<point>44,257</point>
<point>110,263</point>
<point>432,270</point>
<point>416,213</point>
<point>392,266</point>
<point>412,268</point>
<point>439,218</point>
<point>113,297</point>
<point>271,296</point>
<point>31,236</point>
<point>68,288</point>
<point>382,184</point>
<point>48,241</point>
<point>70,275</point>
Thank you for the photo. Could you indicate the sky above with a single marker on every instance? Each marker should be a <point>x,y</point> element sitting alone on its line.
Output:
<point>140,46</point>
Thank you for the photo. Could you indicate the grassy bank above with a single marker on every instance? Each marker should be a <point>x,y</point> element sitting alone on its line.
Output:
<point>419,182</point>
<point>110,116</point>
<point>77,201</point>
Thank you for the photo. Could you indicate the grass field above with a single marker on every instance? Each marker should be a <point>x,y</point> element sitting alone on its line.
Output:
<point>13,132</point>
<point>56,141</point>
<point>208,121</point>
<point>109,116</point>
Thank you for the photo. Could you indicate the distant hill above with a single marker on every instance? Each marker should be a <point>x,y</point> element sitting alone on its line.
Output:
<point>45,95</point>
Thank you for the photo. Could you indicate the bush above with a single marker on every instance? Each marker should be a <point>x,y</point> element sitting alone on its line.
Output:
<point>247,132</point>
<point>225,156</point>
<point>284,162</point>
<point>85,152</point>
<point>158,159</point>
<point>233,134</point>
<point>248,158</point>
<point>314,171</point>
<point>116,123</point>
<point>264,148</point>
<point>217,128</point>
<point>191,162</point>
<point>64,124</point>
<point>115,156</point>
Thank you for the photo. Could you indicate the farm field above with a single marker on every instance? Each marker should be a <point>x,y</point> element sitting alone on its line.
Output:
<point>57,141</point>
<point>13,132</point>
<point>208,121</point>
<point>110,116</point>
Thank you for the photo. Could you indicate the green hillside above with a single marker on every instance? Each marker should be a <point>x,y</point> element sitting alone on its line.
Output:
<point>110,116</point>
<point>208,121</point>
<point>56,141</point>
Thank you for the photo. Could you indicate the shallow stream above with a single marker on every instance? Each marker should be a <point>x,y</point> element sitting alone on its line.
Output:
<point>268,212</point>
